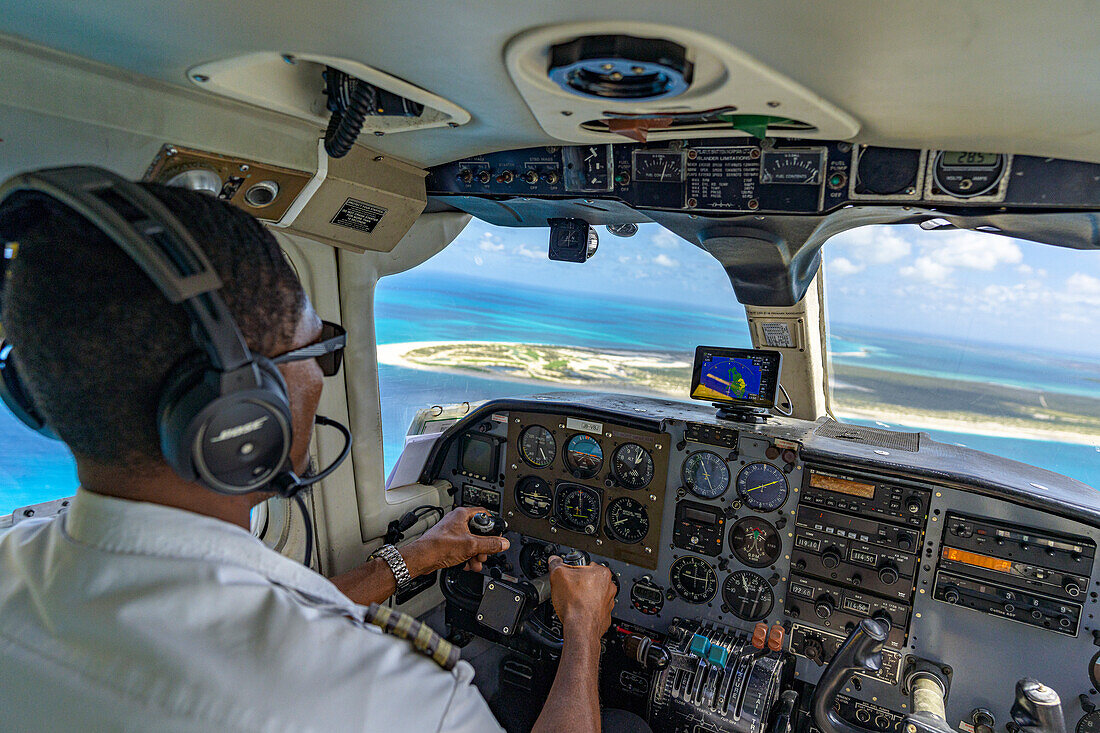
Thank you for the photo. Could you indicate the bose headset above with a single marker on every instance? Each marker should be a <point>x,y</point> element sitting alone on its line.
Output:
<point>224,420</point>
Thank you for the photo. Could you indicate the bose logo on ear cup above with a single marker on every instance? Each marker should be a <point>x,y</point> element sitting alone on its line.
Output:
<point>245,429</point>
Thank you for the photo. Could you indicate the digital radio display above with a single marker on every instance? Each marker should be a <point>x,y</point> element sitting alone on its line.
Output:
<point>842,485</point>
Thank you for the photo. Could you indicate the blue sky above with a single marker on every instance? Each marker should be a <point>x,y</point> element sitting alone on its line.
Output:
<point>963,285</point>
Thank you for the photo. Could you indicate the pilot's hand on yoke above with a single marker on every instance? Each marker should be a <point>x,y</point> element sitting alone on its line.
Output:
<point>583,597</point>
<point>449,543</point>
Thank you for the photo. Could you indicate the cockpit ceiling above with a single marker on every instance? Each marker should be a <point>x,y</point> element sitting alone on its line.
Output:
<point>1009,77</point>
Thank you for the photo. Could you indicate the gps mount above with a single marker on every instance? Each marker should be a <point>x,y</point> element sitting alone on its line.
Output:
<point>738,413</point>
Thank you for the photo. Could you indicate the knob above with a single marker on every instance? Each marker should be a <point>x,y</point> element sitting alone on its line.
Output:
<point>863,715</point>
<point>531,177</point>
<point>575,558</point>
<point>550,177</point>
<point>800,564</point>
<point>856,579</point>
<point>813,650</point>
<point>1071,587</point>
<point>794,611</point>
<point>884,618</point>
<point>824,606</point>
<point>484,177</point>
<point>830,558</point>
<point>951,594</point>
<point>466,176</point>
<point>905,542</point>
<point>888,574</point>
<point>789,456</point>
<point>485,524</point>
<point>913,504</point>
<point>771,453</point>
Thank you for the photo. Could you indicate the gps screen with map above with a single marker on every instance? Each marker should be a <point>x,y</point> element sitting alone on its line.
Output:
<point>746,377</point>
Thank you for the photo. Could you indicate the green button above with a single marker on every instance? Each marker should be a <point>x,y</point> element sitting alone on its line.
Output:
<point>718,655</point>
<point>699,645</point>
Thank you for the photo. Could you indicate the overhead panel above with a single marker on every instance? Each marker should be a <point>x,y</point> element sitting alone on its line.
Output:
<point>597,82</point>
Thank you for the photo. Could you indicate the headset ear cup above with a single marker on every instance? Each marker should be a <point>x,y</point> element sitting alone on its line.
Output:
<point>14,394</point>
<point>233,443</point>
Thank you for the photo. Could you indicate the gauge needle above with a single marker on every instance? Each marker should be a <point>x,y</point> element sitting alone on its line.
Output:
<point>665,168</point>
<point>764,486</point>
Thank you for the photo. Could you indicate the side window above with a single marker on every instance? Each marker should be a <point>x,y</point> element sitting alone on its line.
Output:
<point>33,469</point>
<point>491,316</point>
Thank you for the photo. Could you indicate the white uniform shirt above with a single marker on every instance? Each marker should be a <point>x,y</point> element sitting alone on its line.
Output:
<point>123,615</point>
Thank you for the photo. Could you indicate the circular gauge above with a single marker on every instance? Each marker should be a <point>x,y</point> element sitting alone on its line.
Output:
<point>748,595</point>
<point>537,446</point>
<point>534,497</point>
<point>583,456</point>
<point>965,175</point>
<point>534,559</point>
<point>694,579</point>
<point>798,167</point>
<point>762,487</point>
<point>706,474</point>
<point>755,542</point>
<point>1090,723</point>
<point>627,520</point>
<point>578,508</point>
<point>647,597</point>
<point>632,465</point>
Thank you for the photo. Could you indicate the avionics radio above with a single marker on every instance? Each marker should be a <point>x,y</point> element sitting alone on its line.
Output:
<point>1027,575</point>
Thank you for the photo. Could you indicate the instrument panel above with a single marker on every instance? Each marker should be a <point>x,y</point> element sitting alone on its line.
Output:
<point>746,175</point>
<point>729,528</point>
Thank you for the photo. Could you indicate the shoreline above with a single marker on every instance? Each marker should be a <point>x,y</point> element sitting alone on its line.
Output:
<point>394,354</point>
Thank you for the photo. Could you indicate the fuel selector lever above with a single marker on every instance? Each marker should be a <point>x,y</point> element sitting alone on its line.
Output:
<point>487,524</point>
<point>860,652</point>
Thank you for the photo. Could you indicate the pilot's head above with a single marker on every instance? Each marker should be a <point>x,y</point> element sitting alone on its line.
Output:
<point>96,340</point>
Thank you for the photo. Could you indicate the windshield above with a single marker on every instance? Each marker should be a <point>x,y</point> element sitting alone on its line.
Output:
<point>491,316</point>
<point>982,340</point>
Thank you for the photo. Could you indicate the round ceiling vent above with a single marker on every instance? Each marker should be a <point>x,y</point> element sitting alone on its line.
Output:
<point>619,67</point>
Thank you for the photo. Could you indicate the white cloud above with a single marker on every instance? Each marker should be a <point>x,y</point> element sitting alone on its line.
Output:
<point>524,251</point>
<point>1082,289</point>
<point>927,270</point>
<point>874,245</point>
<point>665,261</point>
<point>665,239</point>
<point>478,261</point>
<point>842,266</point>
<point>973,251</point>
<point>489,246</point>
<point>1025,269</point>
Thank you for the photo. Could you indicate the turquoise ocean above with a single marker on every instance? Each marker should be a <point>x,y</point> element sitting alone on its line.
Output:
<point>430,306</point>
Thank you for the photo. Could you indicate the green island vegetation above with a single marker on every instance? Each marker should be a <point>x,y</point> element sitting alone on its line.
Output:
<point>861,392</point>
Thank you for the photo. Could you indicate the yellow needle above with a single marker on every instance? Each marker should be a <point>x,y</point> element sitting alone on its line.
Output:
<point>764,486</point>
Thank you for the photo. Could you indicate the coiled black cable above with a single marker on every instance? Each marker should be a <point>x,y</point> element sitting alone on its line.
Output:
<point>351,101</point>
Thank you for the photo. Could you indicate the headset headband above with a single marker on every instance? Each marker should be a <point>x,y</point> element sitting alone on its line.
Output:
<point>146,230</point>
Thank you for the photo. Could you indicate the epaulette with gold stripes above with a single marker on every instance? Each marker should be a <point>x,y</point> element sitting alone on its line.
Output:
<point>423,638</point>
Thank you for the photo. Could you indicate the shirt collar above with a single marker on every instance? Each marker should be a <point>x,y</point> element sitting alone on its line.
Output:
<point>141,528</point>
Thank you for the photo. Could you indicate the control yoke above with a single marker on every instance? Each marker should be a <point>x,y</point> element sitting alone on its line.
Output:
<point>861,651</point>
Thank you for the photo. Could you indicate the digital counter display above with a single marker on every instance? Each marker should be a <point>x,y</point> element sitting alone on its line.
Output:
<point>961,159</point>
<point>975,560</point>
<point>842,486</point>
<point>736,376</point>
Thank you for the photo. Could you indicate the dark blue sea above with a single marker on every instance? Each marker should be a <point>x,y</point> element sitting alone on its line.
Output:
<point>428,306</point>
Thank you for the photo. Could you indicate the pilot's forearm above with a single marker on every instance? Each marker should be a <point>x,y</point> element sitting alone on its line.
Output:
<point>373,581</point>
<point>574,701</point>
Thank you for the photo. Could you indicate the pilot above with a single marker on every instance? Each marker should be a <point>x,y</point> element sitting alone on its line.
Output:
<point>149,605</point>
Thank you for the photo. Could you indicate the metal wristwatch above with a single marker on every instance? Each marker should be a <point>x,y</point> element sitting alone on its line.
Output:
<point>393,558</point>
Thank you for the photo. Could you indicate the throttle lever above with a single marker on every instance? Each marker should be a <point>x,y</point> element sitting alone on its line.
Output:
<point>860,652</point>
<point>1038,708</point>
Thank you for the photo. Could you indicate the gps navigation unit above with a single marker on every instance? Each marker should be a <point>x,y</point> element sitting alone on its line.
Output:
<point>744,377</point>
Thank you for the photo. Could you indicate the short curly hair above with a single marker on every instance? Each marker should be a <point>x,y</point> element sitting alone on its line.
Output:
<point>94,338</point>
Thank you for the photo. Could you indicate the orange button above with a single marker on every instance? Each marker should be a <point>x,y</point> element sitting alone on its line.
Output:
<point>760,635</point>
<point>775,638</point>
